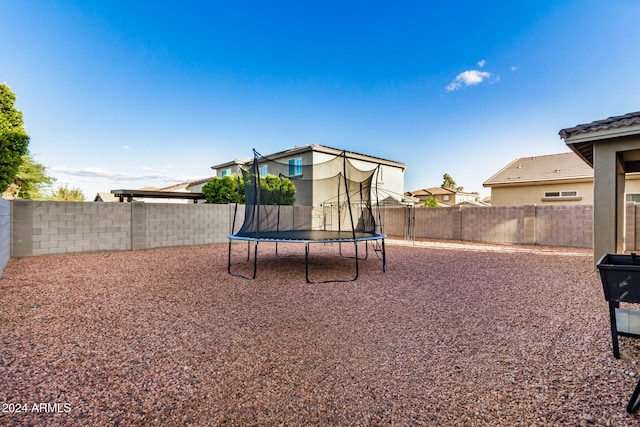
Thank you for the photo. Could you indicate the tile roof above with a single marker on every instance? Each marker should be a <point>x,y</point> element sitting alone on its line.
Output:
<point>606,124</point>
<point>579,140</point>
<point>429,192</point>
<point>542,168</point>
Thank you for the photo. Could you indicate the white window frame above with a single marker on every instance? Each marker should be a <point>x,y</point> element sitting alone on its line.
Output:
<point>295,166</point>
<point>561,196</point>
<point>567,193</point>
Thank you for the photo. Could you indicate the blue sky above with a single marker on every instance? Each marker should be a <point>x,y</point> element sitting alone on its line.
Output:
<point>127,94</point>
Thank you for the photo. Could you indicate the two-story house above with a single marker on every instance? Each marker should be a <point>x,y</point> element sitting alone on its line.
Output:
<point>389,179</point>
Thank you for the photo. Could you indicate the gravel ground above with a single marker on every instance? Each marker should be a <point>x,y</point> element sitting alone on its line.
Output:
<point>451,334</point>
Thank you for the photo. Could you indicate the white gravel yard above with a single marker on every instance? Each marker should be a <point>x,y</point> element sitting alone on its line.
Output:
<point>452,334</point>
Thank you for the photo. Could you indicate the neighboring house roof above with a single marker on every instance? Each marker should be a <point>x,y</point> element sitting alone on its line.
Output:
<point>105,197</point>
<point>239,161</point>
<point>440,190</point>
<point>433,191</point>
<point>475,203</point>
<point>313,147</point>
<point>580,138</point>
<point>185,185</point>
<point>154,192</point>
<point>427,192</point>
<point>547,168</point>
<point>418,193</point>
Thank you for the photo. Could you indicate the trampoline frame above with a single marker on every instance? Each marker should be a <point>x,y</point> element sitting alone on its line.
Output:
<point>330,237</point>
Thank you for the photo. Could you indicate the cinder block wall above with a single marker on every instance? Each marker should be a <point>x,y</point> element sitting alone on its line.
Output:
<point>5,233</point>
<point>565,225</point>
<point>435,223</point>
<point>50,228</point>
<point>561,225</point>
<point>393,220</point>
<point>496,224</point>
<point>47,228</point>
<point>184,224</point>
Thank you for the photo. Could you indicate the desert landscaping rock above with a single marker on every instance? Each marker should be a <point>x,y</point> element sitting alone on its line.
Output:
<point>451,334</point>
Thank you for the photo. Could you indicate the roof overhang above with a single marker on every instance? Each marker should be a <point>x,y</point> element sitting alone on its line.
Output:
<point>581,138</point>
<point>156,194</point>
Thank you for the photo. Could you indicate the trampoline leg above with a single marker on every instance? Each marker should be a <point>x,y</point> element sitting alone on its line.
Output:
<point>306,261</point>
<point>384,258</point>
<point>634,402</point>
<point>357,270</point>
<point>255,261</point>
<point>306,266</point>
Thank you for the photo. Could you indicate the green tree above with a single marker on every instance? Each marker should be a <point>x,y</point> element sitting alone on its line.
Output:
<point>66,194</point>
<point>224,190</point>
<point>431,202</point>
<point>31,181</point>
<point>13,138</point>
<point>277,191</point>
<point>273,190</point>
<point>449,183</point>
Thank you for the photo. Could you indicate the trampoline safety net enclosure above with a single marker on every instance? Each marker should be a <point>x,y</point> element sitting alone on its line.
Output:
<point>291,201</point>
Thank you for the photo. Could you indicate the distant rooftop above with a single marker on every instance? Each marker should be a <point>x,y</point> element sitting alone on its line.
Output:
<point>541,168</point>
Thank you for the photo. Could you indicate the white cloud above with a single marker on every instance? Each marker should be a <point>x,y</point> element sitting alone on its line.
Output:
<point>126,147</point>
<point>468,78</point>
<point>481,63</point>
<point>104,174</point>
<point>514,68</point>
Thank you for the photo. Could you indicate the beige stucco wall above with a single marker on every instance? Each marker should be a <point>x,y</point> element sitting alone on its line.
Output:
<point>391,181</point>
<point>534,194</point>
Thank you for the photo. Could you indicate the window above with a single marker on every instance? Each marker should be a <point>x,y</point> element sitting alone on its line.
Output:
<point>446,197</point>
<point>225,172</point>
<point>295,166</point>
<point>550,194</point>
<point>263,171</point>
<point>633,198</point>
<point>561,196</point>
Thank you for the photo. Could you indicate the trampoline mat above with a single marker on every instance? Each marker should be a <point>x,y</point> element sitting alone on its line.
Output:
<point>306,236</point>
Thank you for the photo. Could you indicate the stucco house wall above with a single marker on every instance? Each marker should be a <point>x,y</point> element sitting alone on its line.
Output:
<point>534,194</point>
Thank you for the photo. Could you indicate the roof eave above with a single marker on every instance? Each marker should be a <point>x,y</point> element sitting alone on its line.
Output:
<point>581,140</point>
<point>537,182</point>
<point>600,134</point>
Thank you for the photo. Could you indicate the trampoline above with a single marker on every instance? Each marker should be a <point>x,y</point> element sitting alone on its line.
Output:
<point>327,202</point>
